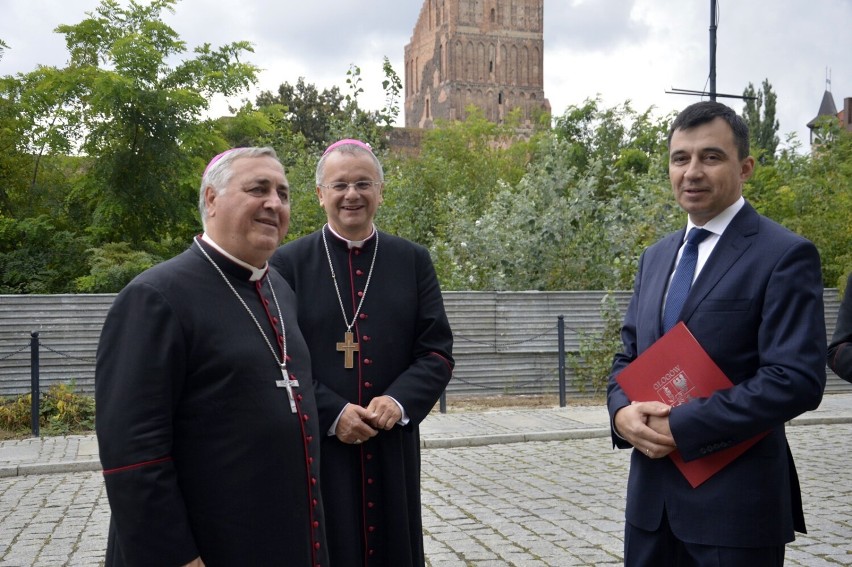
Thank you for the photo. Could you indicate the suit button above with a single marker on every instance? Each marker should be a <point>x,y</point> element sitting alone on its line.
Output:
<point>368,361</point>
<point>368,384</point>
<point>362,316</point>
<point>359,272</point>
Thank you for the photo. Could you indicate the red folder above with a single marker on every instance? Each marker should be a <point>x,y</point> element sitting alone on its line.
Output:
<point>675,370</point>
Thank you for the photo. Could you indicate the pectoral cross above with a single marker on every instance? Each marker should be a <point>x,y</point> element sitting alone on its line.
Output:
<point>349,348</point>
<point>289,385</point>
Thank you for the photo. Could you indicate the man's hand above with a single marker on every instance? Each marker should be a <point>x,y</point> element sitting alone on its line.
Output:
<point>384,411</point>
<point>646,426</point>
<point>353,425</point>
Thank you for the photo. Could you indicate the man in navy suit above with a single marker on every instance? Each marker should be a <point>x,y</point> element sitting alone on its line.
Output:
<point>755,305</point>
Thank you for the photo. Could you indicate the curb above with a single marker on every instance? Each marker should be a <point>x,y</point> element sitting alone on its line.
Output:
<point>480,440</point>
<point>92,465</point>
<point>50,468</point>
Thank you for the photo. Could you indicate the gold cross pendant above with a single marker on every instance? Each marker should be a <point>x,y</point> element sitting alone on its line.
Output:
<point>349,348</point>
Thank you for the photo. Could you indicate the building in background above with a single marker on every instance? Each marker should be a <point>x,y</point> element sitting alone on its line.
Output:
<point>828,108</point>
<point>487,53</point>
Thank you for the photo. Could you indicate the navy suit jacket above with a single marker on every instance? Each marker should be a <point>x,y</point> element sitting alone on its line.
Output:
<point>757,309</point>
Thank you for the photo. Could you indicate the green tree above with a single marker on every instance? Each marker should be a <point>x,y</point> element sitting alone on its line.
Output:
<point>113,266</point>
<point>307,109</point>
<point>759,114</point>
<point>37,256</point>
<point>811,194</point>
<point>570,208</point>
<point>464,162</point>
<point>615,140</point>
<point>141,114</point>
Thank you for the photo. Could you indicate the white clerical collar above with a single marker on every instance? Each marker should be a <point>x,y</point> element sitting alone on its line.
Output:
<point>352,243</point>
<point>256,273</point>
<point>720,222</point>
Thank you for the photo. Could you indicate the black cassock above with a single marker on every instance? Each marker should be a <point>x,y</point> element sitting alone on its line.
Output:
<point>201,452</point>
<point>372,491</point>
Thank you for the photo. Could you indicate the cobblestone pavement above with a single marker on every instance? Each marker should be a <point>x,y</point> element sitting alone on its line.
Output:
<point>534,504</point>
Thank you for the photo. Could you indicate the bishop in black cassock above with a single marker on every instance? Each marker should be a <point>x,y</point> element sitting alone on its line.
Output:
<point>371,489</point>
<point>203,453</point>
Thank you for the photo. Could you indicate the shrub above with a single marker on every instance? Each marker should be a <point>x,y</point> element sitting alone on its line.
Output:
<point>61,411</point>
<point>593,361</point>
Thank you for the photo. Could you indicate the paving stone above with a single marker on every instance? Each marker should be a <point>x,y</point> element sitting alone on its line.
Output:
<point>553,503</point>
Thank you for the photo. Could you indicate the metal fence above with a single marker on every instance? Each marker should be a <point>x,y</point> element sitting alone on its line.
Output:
<point>506,343</point>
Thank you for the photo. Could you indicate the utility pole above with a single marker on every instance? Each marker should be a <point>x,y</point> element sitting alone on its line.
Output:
<point>713,49</point>
<point>714,12</point>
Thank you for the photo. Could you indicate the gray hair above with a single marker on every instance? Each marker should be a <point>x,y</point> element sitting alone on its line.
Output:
<point>351,149</point>
<point>219,171</point>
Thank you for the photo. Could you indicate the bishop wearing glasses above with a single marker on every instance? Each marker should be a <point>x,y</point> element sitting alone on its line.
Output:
<point>371,311</point>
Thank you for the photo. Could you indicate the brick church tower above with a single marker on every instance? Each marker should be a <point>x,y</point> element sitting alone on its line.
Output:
<point>483,52</point>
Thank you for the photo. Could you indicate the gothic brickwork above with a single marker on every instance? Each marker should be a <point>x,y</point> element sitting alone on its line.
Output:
<point>488,53</point>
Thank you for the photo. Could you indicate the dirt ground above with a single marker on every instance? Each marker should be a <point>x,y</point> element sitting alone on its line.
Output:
<point>481,403</point>
<point>454,404</point>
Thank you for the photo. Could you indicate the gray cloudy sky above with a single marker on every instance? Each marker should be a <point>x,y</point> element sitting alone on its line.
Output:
<point>620,49</point>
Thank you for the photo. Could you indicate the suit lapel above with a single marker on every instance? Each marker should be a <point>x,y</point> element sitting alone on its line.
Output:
<point>659,271</point>
<point>732,244</point>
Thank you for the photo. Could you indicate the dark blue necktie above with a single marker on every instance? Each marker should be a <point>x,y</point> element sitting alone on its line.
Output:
<point>682,280</point>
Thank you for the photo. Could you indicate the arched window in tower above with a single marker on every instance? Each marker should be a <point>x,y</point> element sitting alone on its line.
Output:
<point>493,15</point>
<point>457,72</point>
<point>513,65</point>
<point>469,62</point>
<point>481,63</point>
<point>440,62</point>
<point>536,78</point>
<point>501,65</point>
<point>525,66</point>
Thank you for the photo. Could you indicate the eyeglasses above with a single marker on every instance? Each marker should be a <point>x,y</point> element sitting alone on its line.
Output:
<point>358,185</point>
